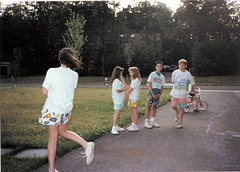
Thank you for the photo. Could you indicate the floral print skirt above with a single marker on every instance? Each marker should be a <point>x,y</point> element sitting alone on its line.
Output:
<point>50,118</point>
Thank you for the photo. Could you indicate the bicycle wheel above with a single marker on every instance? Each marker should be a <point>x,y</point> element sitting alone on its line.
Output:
<point>187,108</point>
<point>203,105</point>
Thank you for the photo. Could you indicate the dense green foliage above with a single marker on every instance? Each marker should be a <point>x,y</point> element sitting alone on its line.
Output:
<point>74,36</point>
<point>204,32</point>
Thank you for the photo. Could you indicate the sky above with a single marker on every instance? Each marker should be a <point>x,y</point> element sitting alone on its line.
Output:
<point>172,4</point>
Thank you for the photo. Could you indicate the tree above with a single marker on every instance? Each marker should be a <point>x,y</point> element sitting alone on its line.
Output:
<point>213,57</point>
<point>128,53</point>
<point>209,31</point>
<point>74,36</point>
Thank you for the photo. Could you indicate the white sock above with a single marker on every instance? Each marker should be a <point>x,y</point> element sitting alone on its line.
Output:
<point>146,120</point>
<point>152,119</point>
<point>114,127</point>
<point>135,125</point>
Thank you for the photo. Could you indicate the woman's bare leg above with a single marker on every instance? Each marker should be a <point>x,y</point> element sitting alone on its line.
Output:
<point>62,129</point>
<point>52,146</point>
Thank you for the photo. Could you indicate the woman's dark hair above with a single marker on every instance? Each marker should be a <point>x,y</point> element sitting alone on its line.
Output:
<point>67,57</point>
<point>116,73</point>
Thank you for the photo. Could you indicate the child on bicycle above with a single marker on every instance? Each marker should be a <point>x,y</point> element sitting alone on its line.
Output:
<point>192,95</point>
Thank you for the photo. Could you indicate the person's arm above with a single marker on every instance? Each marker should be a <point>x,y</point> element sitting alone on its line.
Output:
<point>151,90</point>
<point>158,95</point>
<point>122,90</point>
<point>161,90</point>
<point>196,89</point>
<point>191,89</point>
<point>128,93</point>
<point>192,83</point>
<point>44,91</point>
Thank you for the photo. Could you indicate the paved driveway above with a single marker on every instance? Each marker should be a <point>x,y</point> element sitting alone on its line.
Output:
<point>209,141</point>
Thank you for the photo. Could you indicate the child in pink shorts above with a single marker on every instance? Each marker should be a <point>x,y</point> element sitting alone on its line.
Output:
<point>181,79</point>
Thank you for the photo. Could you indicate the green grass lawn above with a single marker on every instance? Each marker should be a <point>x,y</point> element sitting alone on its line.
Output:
<point>218,81</point>
<point>91,118</point>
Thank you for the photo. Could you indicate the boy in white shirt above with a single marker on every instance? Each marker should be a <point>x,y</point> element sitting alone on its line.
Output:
<point>181,79</point>
<point>155,84</point>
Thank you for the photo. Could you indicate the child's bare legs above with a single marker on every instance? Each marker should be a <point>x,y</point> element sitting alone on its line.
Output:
<point>52,146</point>
<point>196,101</point>
<point>147,112</point>
<point>134,116</point>
<point>191,100</point>
<point>62,129</point>
<point>52,143</point>
<point>180,114</point>
<point>176,109</point>
<point>153,112</point>
<point>115,117</point>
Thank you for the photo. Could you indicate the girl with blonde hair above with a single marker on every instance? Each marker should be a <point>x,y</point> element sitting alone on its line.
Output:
<point>133,96</point>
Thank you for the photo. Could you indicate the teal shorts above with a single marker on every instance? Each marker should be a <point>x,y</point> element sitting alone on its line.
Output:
<point>118,106</point>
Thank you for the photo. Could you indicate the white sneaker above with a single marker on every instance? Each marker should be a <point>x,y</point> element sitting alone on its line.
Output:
<point>154,124</point>
<point>133,128</point>
<point>129,127</point>
<point>89,153</point>
<point>114,131</point>
<point>119,128</point>
<point>180,125</point>
<point>176,118</point>
<point>147,125</point>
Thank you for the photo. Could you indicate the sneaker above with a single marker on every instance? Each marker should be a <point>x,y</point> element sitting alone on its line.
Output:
<point>176,118</point>
<point>114,131</point>
<point>154,124</point>
<point>119,128</point>
<point>56,170</point>
<point>133,128</point>
<point>147,125</point>
<point>180,125</point>
<point>129,127</point>
<point>89,153</point>
<point>195,110</point>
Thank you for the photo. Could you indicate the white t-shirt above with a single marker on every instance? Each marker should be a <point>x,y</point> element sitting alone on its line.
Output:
<point>181,82</point>
<point>60,83</point>
<point>157,81</point>
<point>118,98</point>
<point>135,84</point>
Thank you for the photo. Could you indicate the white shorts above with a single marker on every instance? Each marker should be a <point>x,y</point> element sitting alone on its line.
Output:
<point>50,118</point>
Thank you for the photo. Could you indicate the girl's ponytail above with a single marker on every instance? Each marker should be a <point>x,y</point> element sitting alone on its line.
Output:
<point>67,57</point>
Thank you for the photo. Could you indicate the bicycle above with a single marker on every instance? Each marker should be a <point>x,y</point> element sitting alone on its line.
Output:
<point>202,105</point>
